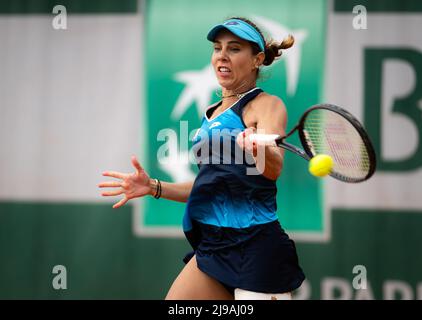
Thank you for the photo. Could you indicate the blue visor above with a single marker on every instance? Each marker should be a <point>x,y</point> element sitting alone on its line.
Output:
<point>239,28</point>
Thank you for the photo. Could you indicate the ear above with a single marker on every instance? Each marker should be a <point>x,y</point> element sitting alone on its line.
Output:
<point>259,59</point>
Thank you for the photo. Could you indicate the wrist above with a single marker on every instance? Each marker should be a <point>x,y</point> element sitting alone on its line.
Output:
<point>153,186</point>
<point>156,188</point>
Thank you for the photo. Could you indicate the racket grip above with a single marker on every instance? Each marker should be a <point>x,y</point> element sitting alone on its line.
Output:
<point>264,139</point>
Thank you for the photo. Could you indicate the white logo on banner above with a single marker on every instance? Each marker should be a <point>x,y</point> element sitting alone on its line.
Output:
<point>60,21</point>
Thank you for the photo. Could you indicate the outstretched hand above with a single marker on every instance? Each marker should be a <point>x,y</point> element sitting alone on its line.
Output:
<point>131,185</point>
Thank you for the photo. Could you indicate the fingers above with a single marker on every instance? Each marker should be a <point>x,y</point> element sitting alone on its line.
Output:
<point>254,149</point>
<point>245,142</point>
<point>112,193</point>
<point>109,184</point>
<point>136,164</point>
<point>250,146</point>
<point>114,174</point>
<point>241,139</point>
<point>120,203</point>
<point>249,131</point>
<point>246,133</point>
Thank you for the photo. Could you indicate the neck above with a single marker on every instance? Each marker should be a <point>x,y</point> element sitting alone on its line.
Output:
<point>238,92</point>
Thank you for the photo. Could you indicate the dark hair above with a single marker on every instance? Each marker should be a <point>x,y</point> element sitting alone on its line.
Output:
<point>273,49</point>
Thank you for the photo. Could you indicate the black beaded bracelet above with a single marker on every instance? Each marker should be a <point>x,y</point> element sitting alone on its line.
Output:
<point>158,191</point>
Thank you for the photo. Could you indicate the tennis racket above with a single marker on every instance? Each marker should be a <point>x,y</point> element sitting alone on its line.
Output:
<point>331,130</point>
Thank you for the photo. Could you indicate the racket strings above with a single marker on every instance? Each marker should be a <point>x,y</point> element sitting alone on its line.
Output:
<point>328,132</point>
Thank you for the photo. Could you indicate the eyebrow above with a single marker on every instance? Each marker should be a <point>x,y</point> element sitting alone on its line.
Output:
<point>233,41</point>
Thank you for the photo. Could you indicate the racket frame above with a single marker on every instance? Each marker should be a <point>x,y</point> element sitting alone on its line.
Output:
<point>307,153</point>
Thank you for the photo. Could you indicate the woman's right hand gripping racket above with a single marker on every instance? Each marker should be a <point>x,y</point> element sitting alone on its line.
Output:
<point>330,130</point>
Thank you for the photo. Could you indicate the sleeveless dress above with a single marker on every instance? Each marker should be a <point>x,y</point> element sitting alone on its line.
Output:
<point>230,218</point>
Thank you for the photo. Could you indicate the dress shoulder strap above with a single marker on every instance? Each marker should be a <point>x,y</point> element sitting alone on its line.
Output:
<point>244,101</point>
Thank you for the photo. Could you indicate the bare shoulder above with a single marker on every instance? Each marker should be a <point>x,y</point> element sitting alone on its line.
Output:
<point>265,102</point>
<point>265,107</point>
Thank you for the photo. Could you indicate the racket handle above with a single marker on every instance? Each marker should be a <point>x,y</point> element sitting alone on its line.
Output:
<point>264,139</point>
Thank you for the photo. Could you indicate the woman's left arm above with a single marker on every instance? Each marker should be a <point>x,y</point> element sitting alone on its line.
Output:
<point>271,119</point>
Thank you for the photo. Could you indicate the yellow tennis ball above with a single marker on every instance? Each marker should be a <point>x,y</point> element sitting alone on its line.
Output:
<point>321,165</point>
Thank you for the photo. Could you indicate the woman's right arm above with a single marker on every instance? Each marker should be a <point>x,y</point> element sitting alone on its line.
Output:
<point>173,191</point>
<point>139,184</point>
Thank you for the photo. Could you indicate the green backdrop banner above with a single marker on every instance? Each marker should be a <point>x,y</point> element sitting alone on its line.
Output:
<point>181,84</point>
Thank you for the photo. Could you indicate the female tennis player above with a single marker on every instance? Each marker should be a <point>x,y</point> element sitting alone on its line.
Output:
<point>240,250</point>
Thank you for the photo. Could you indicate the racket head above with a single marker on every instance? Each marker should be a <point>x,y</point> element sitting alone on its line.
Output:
<point>329,129</point>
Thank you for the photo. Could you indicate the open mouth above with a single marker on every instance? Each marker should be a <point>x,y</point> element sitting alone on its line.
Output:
<point>224,70</point>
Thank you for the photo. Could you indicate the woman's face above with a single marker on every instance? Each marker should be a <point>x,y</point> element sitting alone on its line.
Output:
<point>233,61</point>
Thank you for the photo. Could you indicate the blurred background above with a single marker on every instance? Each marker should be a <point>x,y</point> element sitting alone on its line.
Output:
<point>86,84</point>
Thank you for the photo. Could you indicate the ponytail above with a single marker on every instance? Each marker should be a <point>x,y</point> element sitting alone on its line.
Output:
<point>273,49</point>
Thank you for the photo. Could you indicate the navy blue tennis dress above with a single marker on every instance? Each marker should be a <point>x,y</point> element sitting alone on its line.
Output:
<point>230,218</point>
